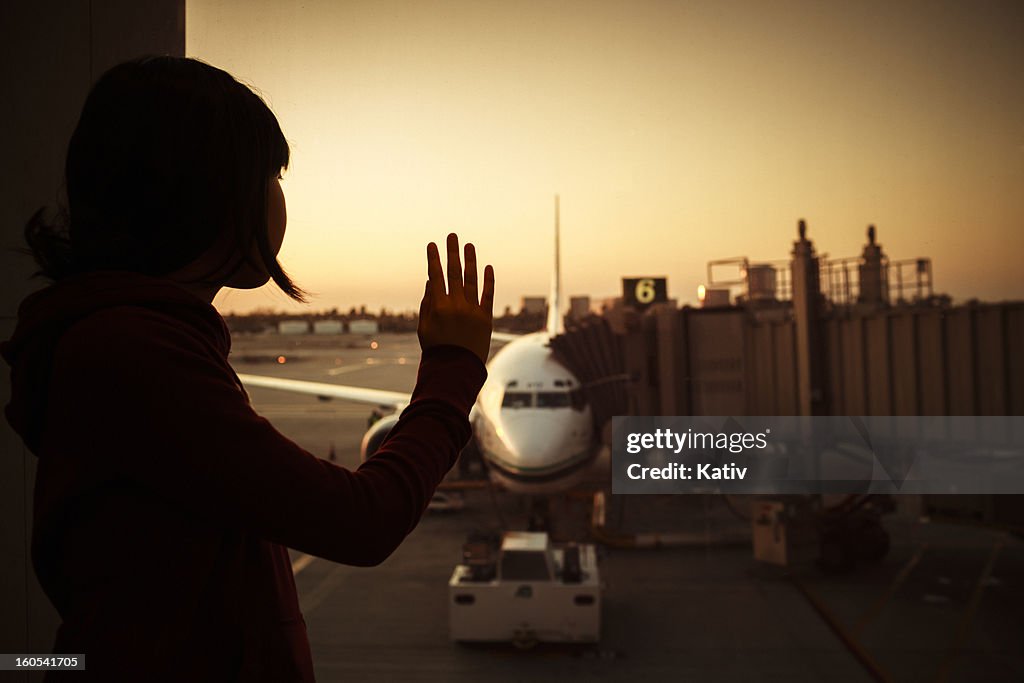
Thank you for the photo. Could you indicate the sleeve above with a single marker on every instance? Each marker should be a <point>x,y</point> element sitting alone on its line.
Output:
<point>163,410</point>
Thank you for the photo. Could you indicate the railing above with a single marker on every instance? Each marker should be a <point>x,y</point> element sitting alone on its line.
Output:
<point>904,281</point>
<point>783,290</point>
<point>920,282</point>
<point>901,281</point>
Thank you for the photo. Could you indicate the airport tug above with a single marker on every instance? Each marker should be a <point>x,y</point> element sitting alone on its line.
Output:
<point>525,591</point>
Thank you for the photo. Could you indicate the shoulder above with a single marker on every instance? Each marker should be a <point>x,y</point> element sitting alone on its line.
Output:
<point>126,335</point>
<point>133,363</point>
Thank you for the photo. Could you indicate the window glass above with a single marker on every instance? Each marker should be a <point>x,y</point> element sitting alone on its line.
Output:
<point>553,399</point>
<point>517,399</point>
<point>520,565</point>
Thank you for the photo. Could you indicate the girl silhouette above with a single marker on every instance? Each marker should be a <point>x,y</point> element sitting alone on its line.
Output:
<point>164,505</point>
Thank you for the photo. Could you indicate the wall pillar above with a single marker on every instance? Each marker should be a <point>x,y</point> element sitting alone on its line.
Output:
<point>53,51</point>
<point>872,279</point>
<point>807,306</point>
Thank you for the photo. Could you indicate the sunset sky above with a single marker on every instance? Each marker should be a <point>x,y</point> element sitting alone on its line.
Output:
<point>675,133</point>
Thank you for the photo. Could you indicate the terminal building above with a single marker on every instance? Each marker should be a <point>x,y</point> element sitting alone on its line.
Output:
<point>293,327</point>
<point>808,336</point>
<point>533,305</point>
<point>859,336</point>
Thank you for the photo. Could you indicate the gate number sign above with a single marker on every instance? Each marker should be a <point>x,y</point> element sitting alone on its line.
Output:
<point>641,292</point>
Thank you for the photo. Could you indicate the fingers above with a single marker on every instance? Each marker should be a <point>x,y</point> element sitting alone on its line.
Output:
<point>456,287</point>
<point>425,302</point>
<point>435,273</point>
<point>454,266</point>
<point>487,296</point>
<point>470,280</point>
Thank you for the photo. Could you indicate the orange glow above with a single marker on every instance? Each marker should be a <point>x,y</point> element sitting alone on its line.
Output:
<point>676,133</point>
<point>373,345</point>
<point>282,360</point>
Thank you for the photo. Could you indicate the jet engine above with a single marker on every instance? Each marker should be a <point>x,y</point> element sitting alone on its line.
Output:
<point>375,436</point>
<point>470,463</point>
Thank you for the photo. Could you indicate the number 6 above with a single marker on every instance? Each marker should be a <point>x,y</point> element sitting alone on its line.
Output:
<point>644,291</point>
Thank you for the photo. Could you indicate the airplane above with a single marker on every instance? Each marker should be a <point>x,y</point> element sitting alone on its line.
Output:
<point>532,425</point>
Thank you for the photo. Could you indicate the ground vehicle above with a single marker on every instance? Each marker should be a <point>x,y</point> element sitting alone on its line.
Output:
<point>525,591</point>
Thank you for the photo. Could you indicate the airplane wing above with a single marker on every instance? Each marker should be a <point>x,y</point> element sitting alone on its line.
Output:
<point>504,336</point>
<point>323,391</point>
<point>379,397</point>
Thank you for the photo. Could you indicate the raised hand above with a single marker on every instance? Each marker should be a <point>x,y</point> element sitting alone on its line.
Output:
<point>456,316</point>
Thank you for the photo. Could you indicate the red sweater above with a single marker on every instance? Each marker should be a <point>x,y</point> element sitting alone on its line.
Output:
<point>164,504</point>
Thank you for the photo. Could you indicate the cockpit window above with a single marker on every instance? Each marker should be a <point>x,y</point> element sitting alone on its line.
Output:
<point>517,399</point>
<point>552,399</point>
<point>544,399</point>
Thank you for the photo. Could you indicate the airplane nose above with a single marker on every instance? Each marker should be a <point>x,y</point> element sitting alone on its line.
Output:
<point>534,443</point>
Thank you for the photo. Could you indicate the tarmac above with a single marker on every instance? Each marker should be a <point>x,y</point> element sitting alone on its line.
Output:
<point>945,604</point>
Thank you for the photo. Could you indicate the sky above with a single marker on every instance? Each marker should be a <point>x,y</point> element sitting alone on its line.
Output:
<point>674,132</point>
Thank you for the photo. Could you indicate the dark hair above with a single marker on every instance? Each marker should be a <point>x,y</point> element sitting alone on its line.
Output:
<point>168,154</point>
